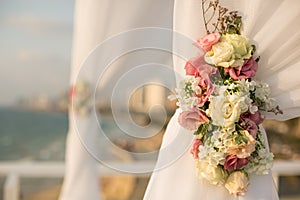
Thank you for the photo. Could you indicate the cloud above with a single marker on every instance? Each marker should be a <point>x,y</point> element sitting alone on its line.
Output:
<point>37,24</point>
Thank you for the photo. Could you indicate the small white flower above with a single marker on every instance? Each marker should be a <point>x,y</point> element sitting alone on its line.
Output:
<point>253,109</point>
<point>185,100</point>
<point>252,85</point>
<point>260,164</point>
<point>262,91</point>
<point>210,155</point>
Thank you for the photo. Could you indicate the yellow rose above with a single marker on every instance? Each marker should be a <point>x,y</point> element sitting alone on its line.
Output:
<point>241,45</point>
<point>221,54</point>
<point>231,51</point>
<point>237,183</point>
<point>214,175</point>
<point>242,48</point>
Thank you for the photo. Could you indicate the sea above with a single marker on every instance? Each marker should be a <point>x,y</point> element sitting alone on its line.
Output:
<point>27,135</point>
<point>32,135</point>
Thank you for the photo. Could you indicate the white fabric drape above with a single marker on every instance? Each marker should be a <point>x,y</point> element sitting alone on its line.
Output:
<point>273,26</point>
<point>94,22</point>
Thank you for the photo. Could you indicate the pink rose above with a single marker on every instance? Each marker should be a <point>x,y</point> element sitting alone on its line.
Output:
<point>250,126</point>
<point>247,70</point>
<point>192,66</point>
<point>195,148</point>
<point>192,119</point>
<point>204,90</point>
<point>233,163</point>
<point>198,67</point>
<point>256,117</point>
<point>207,41</point>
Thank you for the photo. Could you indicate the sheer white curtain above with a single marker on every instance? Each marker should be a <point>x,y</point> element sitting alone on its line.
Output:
<point>96,21</point>
<point>273,27</point>
<point>272,24</point>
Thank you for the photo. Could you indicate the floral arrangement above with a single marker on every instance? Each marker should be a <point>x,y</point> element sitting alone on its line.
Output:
<point>221,103</point>
<point>79,95</point>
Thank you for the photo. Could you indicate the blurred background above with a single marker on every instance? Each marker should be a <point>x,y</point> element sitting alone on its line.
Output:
<point>36,45</point>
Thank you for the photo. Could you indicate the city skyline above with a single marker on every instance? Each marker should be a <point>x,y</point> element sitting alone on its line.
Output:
<point>36,41</point>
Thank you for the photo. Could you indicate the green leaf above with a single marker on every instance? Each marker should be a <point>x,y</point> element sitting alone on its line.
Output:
<point>245,140</point>
<point>237,21</point>
<point>202,130</point>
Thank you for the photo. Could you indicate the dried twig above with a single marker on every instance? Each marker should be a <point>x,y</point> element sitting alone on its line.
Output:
<point>226,23</point>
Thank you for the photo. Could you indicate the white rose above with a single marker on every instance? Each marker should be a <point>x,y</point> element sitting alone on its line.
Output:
<point>237,183</point>
<point>220,55</point>
<point>214,175</point>
<point>226,109</point>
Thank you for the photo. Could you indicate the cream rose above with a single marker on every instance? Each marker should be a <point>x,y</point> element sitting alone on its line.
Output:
<point>225,109</point>
<point>237,183</point>
<point>241,45</point>
<point>214,175</point>
<point>221,54</point>
<point>231,51</point>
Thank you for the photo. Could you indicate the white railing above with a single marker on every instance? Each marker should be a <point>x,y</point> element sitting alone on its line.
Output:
<point>13,171</point>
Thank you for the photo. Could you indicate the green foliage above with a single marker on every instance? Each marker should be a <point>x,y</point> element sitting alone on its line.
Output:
<point>239,138</point>
<point>188,89</point>
<point>202,130</point>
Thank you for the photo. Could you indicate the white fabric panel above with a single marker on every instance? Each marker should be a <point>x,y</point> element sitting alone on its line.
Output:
<point>271,24</point>
<point>95,21</point>
<point>81,180</point>
<point>273,27</point>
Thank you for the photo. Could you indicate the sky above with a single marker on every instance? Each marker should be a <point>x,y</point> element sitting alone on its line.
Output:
<point>35,48</point>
